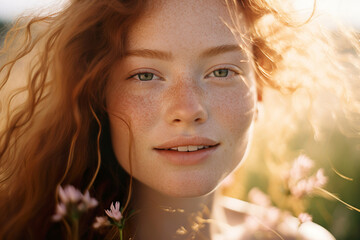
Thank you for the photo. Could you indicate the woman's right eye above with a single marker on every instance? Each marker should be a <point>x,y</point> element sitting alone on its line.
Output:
<point>145,76</point>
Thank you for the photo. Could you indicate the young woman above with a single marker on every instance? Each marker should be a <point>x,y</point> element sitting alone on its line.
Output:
<point>150,103</point>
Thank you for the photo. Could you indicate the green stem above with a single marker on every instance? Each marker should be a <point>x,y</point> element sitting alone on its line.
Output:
<point>121,234</point>
<point>75,229</point>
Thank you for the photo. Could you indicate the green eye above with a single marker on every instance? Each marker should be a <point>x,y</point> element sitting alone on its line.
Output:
<point>145,76</point>
<point>221,72</point>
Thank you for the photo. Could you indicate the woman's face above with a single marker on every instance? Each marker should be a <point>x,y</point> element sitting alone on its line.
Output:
<point>187,93</point>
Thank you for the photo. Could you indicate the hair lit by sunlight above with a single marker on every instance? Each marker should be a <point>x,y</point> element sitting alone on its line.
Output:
<point>11,9</point>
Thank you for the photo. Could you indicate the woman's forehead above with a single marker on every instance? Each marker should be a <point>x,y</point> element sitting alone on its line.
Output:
<point>187,6</point>
<point>182,24</point>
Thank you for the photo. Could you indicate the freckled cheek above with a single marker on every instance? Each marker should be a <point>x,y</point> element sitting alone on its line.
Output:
<point>234,109</point>
<point>139,111</point>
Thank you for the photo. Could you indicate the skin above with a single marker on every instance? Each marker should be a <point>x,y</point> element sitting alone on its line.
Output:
<point>185,98</point>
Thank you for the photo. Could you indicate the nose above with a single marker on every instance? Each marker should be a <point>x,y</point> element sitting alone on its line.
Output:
<point>186,105</point>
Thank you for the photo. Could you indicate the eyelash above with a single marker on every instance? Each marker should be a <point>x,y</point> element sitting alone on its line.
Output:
<point>229,71</point>
<point>136,76</point>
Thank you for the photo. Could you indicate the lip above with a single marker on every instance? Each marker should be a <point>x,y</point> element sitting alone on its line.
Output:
<point>186,141</point>
<point>187,158</point>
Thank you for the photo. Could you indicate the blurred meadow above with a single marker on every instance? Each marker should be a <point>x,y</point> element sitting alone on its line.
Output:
<point>330,147</point>
<point>336,153</point>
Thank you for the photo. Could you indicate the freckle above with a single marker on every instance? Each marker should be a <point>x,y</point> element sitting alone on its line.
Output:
<point>140,109</point>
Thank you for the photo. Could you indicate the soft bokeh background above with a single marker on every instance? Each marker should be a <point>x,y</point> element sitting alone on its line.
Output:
<point>337,153</point>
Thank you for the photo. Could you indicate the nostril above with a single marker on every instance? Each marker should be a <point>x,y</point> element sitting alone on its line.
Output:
<point>179,120</point>
<point>187,113</point>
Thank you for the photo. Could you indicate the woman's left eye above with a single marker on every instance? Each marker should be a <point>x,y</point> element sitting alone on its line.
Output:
<point>221,73</point>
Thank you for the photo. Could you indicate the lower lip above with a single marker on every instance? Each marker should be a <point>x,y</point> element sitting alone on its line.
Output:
<point>187,158</point>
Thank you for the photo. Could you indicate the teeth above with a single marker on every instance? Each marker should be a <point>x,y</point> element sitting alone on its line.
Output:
<point>183,149</point>
<point>189,148</point>
<point>192,148</point>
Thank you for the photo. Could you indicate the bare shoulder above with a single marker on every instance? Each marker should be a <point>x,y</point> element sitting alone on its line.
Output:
<point>242,221</point>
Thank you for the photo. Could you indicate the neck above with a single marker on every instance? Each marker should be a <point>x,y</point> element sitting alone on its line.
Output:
<point>166,217</point>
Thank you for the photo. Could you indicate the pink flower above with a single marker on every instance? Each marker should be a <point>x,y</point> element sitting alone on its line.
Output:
<point>270,217</point>
<point>306,186</point>
<point>300,167</point>
<point>302,188</point>
<point>101,222</point>
<point>72,200</point>
<point>69,194</point>
<point>304,217</point>
<point>256,196</point>
<point>114,212</point>
<point>88,201</point>
<point>298,181</point>
<point>320,178</point>
<point>60,212</point>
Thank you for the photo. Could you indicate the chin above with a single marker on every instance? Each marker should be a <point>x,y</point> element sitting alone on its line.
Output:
<point>189,189</point>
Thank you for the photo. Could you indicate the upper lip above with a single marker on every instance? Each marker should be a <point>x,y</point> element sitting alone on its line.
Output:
<point>187,141</point>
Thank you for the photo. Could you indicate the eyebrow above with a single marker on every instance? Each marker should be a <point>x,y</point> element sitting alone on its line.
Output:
<point>163,55</point>
<point>211,52</point>
<point>148,53</point>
